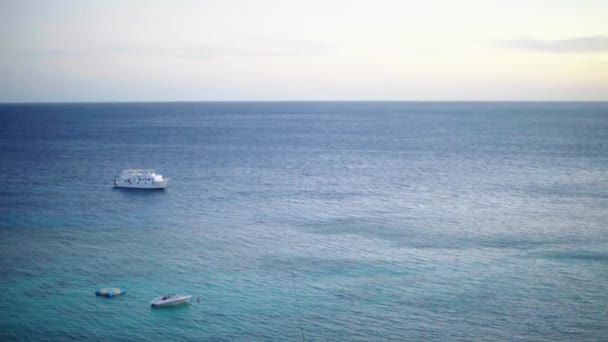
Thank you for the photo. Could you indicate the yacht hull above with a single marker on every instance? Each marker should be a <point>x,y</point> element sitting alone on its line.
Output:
<point>133,185</point>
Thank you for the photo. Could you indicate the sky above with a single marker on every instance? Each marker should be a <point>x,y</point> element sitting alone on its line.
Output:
<point>469,50</point>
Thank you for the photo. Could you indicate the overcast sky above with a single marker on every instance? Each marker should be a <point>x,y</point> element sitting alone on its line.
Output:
<point>303,50</point>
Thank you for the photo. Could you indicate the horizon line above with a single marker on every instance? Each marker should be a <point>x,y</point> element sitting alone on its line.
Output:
<point>294,101</point>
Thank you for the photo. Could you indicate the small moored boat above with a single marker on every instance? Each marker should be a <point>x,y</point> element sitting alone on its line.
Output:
<point>170,300</point>
<point>141,179</point>
<point>110,292</point>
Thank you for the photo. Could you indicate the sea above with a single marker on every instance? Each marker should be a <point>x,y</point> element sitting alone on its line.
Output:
<point>306,221</point>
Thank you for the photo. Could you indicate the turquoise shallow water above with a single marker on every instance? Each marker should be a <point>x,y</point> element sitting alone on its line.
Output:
<point>306,221</point>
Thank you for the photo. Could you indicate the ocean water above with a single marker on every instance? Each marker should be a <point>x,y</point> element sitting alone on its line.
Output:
<point>312,221</point>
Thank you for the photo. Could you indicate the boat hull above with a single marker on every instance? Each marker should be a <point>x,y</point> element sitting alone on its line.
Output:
<point>134,185</point>
<point>159,302</point>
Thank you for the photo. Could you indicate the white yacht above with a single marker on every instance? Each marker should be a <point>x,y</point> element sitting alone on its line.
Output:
<point>141,179</point>
<point>170,300</point>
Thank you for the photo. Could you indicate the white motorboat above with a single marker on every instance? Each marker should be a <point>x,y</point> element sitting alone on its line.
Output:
<point>141,179</point>
<point>170,300</point>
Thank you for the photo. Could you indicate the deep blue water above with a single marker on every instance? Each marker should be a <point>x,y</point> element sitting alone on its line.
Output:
<point>312,221</point>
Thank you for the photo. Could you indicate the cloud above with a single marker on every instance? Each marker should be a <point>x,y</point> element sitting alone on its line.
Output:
<point>590,44</point>
<point>243,46</point>
<point>35,52</point>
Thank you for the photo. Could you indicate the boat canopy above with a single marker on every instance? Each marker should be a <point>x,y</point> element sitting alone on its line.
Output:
<point>136,171</point>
